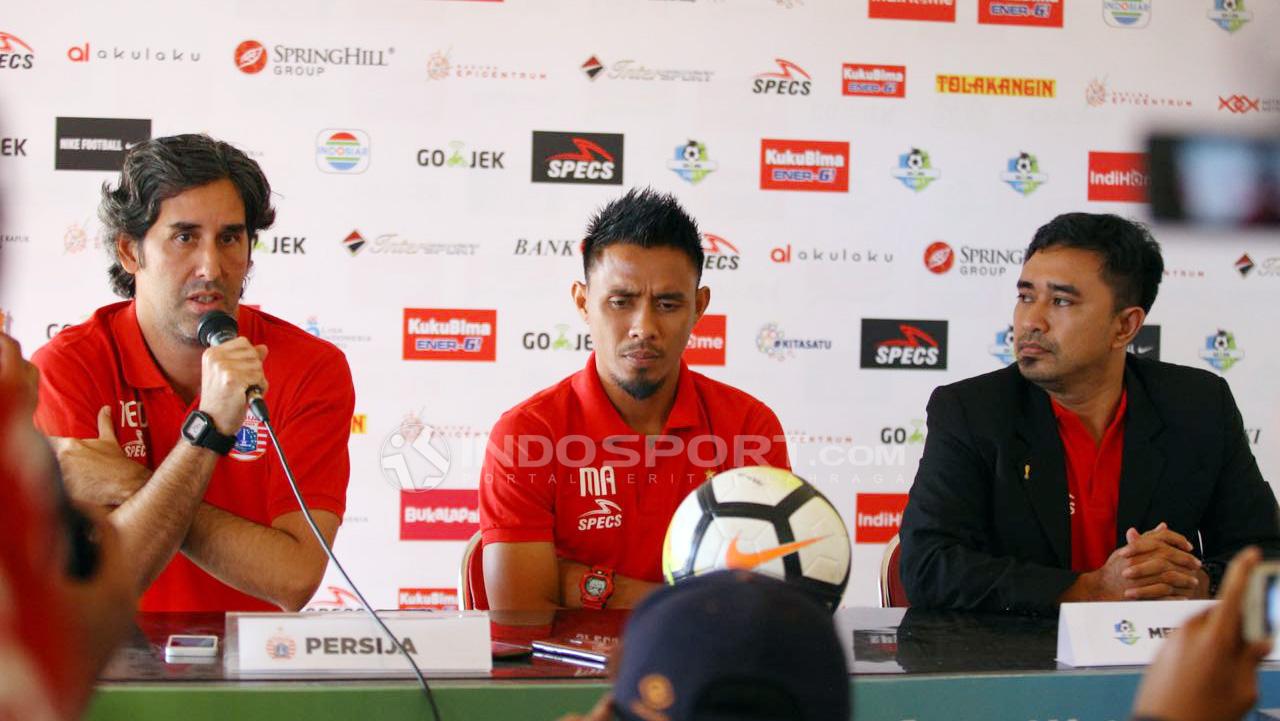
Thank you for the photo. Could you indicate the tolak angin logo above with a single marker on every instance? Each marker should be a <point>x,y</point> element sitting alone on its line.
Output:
<point>1220,351</point>
<point>915,170</point>
<point>806,165</point>
<point>1003,348</point>
<point>1126,633</point>
<point>787,79</point>
<point>1036,13</point>
<point>691,162</point>
<point>1127,13</point>
<point>904,344</point>
<point>582,158</point>
<point>1022,173</point>
<point>14,53</point>
<point>874,81</point>
<point>450,334</point>
<point>342,151</point>
<point>97,143</point>
<point>1230,15</point>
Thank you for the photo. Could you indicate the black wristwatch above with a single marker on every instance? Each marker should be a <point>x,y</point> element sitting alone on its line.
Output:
<point>200,431</point>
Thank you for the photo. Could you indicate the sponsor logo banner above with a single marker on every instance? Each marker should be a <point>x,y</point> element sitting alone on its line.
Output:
<point>439,515</point>
<point>904,344</point>
<point>934,10</point>
<point>707,342</point>
<point>1146,344</point>
<point>788,79</point>
<point>1126,13</point>
<point>1117,177</point>
<point>96,143</point>
<point>814,165</point>
<point>450,334</point>
<point>1037,13</point>
<point>14,53</point>
<point>878,516</point>
<point>342,151</point>
<point>996,85</point>
<point>428,599</point>
<point>876,81</point>
<point>585,158</point>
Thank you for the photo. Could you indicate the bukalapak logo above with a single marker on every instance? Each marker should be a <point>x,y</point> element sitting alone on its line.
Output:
<point>719,254</point>
<point>1117,177</point>
<point>904,344</point>
<point>97,143</point>
<point>788,79</point>
<point>579,158</point>
<point>1036,13</point>
<point>252,57</point>
<point>813,165</point>
<point>439,515</point>
<point>14,53</point>
<point>450,334</point>
<point>1146,344</point>
<point>874,81</point>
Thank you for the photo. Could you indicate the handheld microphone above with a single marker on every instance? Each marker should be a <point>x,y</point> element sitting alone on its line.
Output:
<point>216,328</point>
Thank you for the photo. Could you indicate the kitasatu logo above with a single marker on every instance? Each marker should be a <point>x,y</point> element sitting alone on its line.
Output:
<point>1037,13</point>
<point>450,334</point>
<point>814,165</point>
<point>904,344</point>
<point>935,10</point>
<point>584,158</point>
<point>14,53</point>
<point>874,81</point>
<point>915,169</point>
<point>707,342</point>
<point>342,151</point>
<point>1118,177</point>
<point>788,79</point>
<point>439,515</point>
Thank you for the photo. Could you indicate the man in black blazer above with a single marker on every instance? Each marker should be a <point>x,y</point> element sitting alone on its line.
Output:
<point>1079,472</point>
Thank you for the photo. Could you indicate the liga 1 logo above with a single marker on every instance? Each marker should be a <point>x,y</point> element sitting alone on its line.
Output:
<point>251,440</point>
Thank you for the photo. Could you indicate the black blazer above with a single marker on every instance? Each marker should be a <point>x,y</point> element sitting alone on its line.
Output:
<point>980,532</point>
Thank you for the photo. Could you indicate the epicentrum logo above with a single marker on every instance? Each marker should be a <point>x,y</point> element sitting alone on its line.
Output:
<point>251,57</point>
<point>789,79</point>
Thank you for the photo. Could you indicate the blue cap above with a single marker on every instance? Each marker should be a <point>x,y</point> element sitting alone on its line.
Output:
<point>731,645</point>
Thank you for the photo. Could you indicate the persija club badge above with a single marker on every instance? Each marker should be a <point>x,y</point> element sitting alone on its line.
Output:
<point>251,440</point>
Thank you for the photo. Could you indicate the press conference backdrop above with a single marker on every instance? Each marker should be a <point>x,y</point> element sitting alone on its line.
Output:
<point>866,174</point>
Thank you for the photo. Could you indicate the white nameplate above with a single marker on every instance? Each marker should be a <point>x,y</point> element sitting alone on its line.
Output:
<point>440,642</point>
<point>1126,633</point>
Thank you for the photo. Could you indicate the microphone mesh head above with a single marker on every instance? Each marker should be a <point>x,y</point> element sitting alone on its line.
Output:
<point>215,327</point>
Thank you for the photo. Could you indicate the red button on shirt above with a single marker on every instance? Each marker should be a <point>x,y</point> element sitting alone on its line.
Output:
<point>612,509</point>
<point>1093,482</point>
<point>105,362</point>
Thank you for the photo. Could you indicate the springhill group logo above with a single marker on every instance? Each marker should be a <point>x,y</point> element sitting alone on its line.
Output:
<point>939,257</point>
<point>251,57</point>
<point>342,151</point>
<point>812,165</point>
<point>874,81</point>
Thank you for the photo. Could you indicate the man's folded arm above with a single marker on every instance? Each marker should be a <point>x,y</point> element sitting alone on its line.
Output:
<point>945,527</point>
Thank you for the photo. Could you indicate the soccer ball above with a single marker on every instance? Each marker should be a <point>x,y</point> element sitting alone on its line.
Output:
<point>766,520</point>
<point>1024,164</point>
<point>915,160</point>
<point>692,153</point>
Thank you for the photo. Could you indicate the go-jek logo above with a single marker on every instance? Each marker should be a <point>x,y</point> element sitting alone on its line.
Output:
<point>342,151</point>
<point>1022,173</point>
<point>915,169</point>
<point>1002,349</point>
<point>1229,15</point>
<point>1221,352</point>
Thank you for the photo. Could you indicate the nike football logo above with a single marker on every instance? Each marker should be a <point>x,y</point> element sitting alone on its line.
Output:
<point>735,558</point>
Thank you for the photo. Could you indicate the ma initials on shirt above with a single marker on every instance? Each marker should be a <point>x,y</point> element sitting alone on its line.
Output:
<point>597,482</point>
<point>132,414</point>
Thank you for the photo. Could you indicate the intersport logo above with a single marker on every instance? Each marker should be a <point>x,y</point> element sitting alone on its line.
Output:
<point>934,10</point>
<point>450,334</point>
<point>1118,177</point>
<point>581,158</point>
<point>707,342</point>
<point>812,165</point>
<point>878,516</point>
<point>439,515</point>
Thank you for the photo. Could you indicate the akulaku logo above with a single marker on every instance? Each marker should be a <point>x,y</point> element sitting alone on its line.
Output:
<point>585,158</point>
<point>342,151</point>
<point>97,143</point>
<point>1118,177</point>
<point>1229,15</point>
<point>450,334</point>
<point>83,53</point>
<point>691,162</point>
<point>813,165</point>
<point>939,257</point>
<point>14,53</point>
<point>718,253</point>
<point>996,85</point>
<point>1022,173</point>
<point>707,342</point>
<point>878,516</point>
<point>428,599</point>
<point>1036,13</point>
<point>1003,349</point>
<point>1127,13</point>
<point>789,79</point>
<point>1146,344</point>
<point>250,57</point>
<point>874,81</point>
<point>904,344</point>
<point>1220,351</point>
<point>915,169</point>
<point>935,10</point>
<point>439,515</point>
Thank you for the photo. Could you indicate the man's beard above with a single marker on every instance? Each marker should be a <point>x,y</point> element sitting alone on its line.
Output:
<point>639,388</point>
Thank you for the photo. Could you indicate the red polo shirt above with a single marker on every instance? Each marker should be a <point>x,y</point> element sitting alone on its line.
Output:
<point>564,467</point>
<point>1093,482</point>
<point>105,362</point>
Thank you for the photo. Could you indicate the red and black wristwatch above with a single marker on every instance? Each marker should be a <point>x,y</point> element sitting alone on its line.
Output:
<point>596,587</point>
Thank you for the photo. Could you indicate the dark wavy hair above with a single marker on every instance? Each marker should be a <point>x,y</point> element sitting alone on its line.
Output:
<point>159,169</point>
<point>1131,262</point>
<point>646,218</point>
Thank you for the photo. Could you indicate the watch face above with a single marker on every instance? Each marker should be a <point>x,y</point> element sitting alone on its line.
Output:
<point>595,586</point>
<point>196,426</point>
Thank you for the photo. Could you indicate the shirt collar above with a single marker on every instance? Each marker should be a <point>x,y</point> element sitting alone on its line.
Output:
<point>603,418</point>
<point>140,369</point>
<point>1117,421</point>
